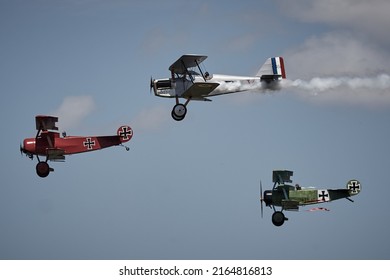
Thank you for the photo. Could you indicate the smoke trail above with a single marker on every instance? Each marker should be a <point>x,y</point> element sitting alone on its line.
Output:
<point>314,85</point>
<point>373,90</point>
<point>380,82</point>
<point>246,85</point>
<point>352,90</point>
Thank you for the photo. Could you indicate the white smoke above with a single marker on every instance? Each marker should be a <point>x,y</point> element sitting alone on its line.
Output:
<point>354,90</point>
<point>245,85</point>
<point>380,82</point>
<point>73,110</point>
<point>369,91</point>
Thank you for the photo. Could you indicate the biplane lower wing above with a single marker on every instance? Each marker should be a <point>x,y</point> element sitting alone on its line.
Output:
<point>199,91</point>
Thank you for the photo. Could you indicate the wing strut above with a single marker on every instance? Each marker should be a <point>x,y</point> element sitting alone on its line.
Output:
<point>186,71</point>
<point>200,70</point>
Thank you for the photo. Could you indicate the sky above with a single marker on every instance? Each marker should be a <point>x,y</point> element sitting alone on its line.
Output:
<point>190,189</point>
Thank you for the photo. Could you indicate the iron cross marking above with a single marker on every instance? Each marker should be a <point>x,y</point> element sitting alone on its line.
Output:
<point>323,195</point>
<point>354,186</point>
<point>125,133</point>
<point>89,143</point>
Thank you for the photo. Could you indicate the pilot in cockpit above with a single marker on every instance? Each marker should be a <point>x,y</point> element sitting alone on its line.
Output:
<point>207,75</point>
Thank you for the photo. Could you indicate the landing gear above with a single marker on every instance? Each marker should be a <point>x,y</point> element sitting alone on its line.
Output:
<point>43,169</point>
<point>278,218</point>
<point>179,111</point>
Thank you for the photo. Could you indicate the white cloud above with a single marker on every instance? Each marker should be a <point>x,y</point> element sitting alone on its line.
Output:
<point>347,63</point>
<point>336,54</point>
<point>368,17</point>
<point>152,118</point>
<point>73,110</point>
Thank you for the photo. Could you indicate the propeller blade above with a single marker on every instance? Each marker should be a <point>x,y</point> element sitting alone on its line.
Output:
<point>151,84</point>
<point>21,149</point>
<point>261,199</point>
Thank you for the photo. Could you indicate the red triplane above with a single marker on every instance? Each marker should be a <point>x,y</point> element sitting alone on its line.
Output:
<point>49,144</point>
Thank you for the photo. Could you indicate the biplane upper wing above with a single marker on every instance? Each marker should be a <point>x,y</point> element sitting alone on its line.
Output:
<point>199,91</point>
<point>186,61</point>
<point>46,123</point>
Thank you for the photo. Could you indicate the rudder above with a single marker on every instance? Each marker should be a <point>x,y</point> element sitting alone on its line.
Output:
<point>272,69</point>
<point>125,133</point>
<point>354,187</point>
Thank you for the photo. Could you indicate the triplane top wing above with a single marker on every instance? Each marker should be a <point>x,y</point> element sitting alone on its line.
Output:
<point>46,123</point>
<point>282,176</point>
<point>186,61</point>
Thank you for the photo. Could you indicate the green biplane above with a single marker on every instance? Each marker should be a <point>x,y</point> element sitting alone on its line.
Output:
<point>289,197</point>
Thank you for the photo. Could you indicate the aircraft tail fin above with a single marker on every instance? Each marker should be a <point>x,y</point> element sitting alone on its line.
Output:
<point>125,133</point>
<point>272,70</point>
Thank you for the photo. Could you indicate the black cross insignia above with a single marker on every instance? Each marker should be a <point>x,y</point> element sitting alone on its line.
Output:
<point>323,195</point>
<point>125,133</point>
<point>354,186</point>
<point>88,143</point>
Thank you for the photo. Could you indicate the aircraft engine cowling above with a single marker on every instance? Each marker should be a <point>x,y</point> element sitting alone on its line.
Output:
<point>267,198</point>
<point>166,83</point>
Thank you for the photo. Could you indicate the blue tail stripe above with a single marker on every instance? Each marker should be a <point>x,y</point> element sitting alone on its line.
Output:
<point>274,69</point>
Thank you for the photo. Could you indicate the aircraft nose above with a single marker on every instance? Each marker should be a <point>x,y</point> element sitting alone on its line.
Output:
<point>268,197</point>
<point>28,146</point>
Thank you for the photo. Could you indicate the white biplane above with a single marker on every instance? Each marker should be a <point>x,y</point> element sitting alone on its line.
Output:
<point>190,82</point>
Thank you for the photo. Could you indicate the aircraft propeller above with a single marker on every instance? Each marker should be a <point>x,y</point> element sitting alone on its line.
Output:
<point>261,199</point>
<point>23,151</point>
<point>151,84</point>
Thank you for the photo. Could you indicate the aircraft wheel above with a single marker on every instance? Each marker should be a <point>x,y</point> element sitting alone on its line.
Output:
<point>278,218</point>
<point>43,169</point>
<point>179,111</point>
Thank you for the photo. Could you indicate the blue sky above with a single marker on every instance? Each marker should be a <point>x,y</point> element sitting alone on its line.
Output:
<point>190,189</point>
